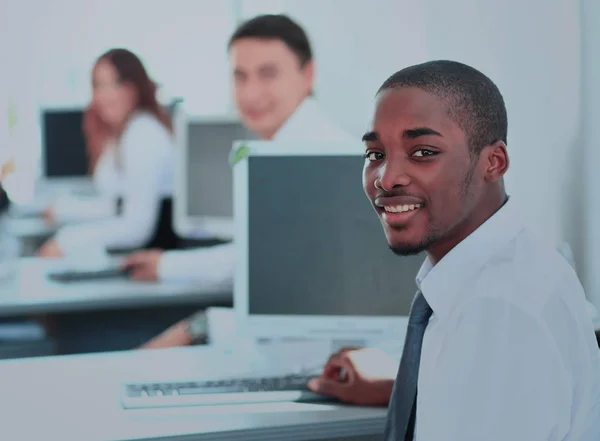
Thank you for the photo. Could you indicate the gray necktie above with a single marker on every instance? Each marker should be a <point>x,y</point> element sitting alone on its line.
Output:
<point>402,408</point>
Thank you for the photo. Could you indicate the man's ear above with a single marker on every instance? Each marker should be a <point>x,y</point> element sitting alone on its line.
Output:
<point>495,161</point>
<point>309,75</point>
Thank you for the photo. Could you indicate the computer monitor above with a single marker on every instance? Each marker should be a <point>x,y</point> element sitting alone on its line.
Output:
<point>203,203</point>
<point>63,144</point>
<point>313,261</point>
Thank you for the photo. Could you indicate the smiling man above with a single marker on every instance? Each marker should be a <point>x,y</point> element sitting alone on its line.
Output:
<point>499,343</point>
<point>273,74</point>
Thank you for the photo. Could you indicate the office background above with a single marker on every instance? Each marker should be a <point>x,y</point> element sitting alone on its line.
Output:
<point>543,55</point>
<point>48,48</point>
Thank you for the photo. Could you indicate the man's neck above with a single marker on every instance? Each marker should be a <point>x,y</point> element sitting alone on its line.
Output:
<point>268,135</point>
<point>443,247</point>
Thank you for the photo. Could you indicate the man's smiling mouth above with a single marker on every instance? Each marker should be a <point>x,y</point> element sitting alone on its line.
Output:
<point>401,208</point>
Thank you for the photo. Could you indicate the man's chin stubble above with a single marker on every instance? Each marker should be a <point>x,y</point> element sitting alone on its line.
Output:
<point>409,250</point>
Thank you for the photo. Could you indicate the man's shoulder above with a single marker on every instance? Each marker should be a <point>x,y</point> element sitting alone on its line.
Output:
<point>528,273</point>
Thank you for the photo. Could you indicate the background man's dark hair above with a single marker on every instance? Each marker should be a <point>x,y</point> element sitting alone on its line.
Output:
<point>473,100</point>
<point>276,27</point>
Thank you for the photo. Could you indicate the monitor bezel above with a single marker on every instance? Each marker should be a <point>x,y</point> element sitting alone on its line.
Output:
<point>342,328</point>
<point>186,225</point>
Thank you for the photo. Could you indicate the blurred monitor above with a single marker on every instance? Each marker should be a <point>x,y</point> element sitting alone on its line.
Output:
<point>313,260</point>
<point>203,202</point>
<point>63,144</point>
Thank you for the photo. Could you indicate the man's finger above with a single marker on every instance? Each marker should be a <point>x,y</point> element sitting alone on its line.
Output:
<point>348,349</point>
<point>135,259</point>
<point>329,387</point>
<point>340,369</point>
<point>333,367</point>
<point>140,273</point>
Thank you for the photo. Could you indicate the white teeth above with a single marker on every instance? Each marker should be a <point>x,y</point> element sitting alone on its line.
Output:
<point>401,208</point>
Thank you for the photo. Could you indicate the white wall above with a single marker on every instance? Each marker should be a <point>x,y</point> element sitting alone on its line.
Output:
<point>531,51</point>
<point>18,37</point>
<point>182,43</point>
<point>588,159</point>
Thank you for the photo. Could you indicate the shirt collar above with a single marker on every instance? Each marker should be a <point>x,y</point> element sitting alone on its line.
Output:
<point>441,284</point>
<point>296,123</point>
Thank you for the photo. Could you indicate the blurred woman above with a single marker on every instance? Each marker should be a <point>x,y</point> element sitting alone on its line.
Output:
<point>129,141</point>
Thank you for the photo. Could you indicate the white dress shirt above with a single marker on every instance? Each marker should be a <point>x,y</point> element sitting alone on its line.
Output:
<point>140,170</point>
<point>310,123</point>
<point>509,352</point>
<point>213,268</point>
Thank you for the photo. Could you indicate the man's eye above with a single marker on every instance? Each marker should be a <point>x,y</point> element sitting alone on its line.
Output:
<point>374,156</point>
<point>423,152</point>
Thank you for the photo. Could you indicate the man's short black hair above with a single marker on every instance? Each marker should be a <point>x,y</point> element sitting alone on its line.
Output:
<point>473,100</point>
<point>276,27</point>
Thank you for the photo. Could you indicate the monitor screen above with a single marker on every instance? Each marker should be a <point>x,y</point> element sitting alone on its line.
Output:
<point>64,150</point>
<point>209,176</point>
<point>316,246</point>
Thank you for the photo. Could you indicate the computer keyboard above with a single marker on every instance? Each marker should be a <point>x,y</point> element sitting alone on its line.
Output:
<point>229,391</point>
<point>87,275</point>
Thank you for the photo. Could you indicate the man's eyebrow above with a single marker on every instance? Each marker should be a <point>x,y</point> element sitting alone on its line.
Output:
<point>370,136</point>
<point>408,134</point>
<point>420,131</point>
<point>267,67</point>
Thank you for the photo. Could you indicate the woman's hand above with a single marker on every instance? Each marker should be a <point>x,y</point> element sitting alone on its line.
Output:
<point>49,249</point>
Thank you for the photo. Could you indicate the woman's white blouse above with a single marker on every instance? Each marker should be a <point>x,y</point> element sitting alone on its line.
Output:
<point>140,171</point>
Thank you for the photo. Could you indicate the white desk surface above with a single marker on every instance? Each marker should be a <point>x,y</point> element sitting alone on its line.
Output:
<point>76,398</point>
<point>46,191</point>
<point>30,291</point>
<point>31,227</point>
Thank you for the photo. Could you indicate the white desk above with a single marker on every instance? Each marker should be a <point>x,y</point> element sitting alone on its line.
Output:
<point>76,398</point>
<point>46,191</point>
<point>30,292</point>
<point>30,228</point>
<point>26,223</point>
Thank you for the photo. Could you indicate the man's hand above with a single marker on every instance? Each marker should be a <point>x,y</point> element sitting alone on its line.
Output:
<point>7,168</point>
<point>49,215</point>
<point>358,376</point>
<point>49,249</point>
<point>143,265</point>
<point>176,335</point>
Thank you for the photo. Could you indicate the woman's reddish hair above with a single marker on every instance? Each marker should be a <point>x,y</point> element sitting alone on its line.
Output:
<point>131,71</point>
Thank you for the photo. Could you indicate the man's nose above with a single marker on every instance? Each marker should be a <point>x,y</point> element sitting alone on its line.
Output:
<point>392,175</point>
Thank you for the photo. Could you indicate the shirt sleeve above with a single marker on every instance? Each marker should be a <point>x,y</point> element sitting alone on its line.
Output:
<point>143,151</point>
<point>499,377</point>
<point>212,269</point>
<point>72,209</point>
